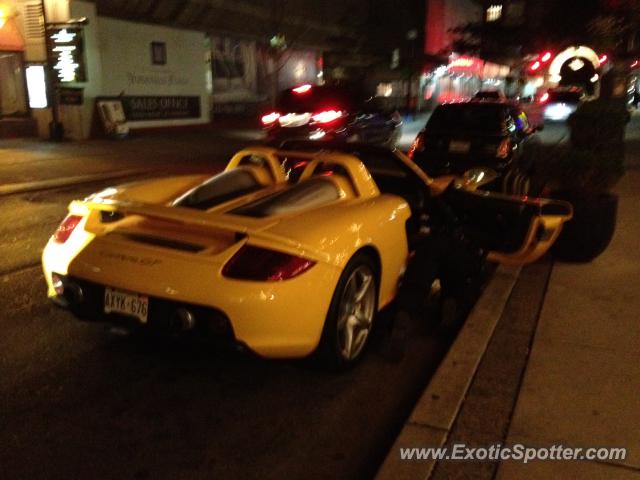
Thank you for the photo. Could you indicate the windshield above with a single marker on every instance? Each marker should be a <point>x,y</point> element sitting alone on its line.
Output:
<point>468,118</point>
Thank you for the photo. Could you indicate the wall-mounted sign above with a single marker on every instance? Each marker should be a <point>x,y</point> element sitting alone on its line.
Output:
<point>65,48</point>
<point>160,108</point>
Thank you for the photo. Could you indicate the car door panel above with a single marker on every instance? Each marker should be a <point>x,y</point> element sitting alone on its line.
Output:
<point>514,230</point>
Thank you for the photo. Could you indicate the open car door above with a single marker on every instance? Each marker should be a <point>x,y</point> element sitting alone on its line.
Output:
<point>515,230</point>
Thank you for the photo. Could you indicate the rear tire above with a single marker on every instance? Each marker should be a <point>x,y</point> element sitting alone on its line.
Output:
<point>351,313</point>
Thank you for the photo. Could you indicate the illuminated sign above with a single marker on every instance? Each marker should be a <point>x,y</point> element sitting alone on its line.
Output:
<point>36,86</point>
<point>465,65</point>
<point>463,62</point>
<point>65,47</point>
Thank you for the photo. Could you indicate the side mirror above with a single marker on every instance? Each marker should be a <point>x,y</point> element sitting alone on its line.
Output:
<point>476,177</point>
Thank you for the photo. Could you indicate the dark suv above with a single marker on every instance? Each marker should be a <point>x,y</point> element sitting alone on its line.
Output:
<point>460,136</point>
<point>312,112</point>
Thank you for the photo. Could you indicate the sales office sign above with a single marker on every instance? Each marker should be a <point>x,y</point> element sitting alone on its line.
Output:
<point>65,47</point>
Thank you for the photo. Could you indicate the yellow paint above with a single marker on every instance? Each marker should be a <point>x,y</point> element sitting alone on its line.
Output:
<point>275,319</point>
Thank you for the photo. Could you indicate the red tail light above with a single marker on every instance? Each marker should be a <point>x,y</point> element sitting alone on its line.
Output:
<point>269,118</point>
<point>544,97</point>
<point>327,116</point>
<point>67,226</point>
<point>503,149</point>
<point>260,264</point>
<point>416,146</point>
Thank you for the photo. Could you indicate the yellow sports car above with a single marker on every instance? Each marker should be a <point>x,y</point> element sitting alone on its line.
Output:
<point>285,252</point>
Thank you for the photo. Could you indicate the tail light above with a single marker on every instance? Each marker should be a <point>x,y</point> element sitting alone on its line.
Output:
<point>544,97</point>
<point>269,118</point>
<point>261,264</point>
<point>65,229</point>
<point>503,149</point>
<point>416,146</point>
<point>327,116</point>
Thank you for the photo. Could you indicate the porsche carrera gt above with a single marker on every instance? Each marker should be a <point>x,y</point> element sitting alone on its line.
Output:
<point>286,252</point>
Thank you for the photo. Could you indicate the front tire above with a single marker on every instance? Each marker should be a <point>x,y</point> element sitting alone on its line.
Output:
<point>350,319</point>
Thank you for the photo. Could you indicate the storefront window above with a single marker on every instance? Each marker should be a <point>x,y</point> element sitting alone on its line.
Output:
<point>13,99</point>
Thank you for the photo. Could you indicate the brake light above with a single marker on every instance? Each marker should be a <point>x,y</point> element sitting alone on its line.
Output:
<point>503,148</point>
<point>327,116</point>
<point>416,146</point>
<point>302,89</point>
<point>544,97</point>
<point>269,118</point>
<point>65,229</point>
<point>261,264</point>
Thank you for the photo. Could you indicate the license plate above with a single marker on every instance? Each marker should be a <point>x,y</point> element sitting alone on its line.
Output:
<point>126,303</point>
<point>459,147</point>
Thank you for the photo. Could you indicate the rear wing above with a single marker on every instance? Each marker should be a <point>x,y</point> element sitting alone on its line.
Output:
<point>236,225</point>
<point>185,216</point>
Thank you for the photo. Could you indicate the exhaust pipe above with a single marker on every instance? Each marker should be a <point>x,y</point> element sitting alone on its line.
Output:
<point>183,320</point>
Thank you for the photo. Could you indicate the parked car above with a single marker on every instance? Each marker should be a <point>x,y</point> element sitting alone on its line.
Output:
<point>561,102</point>
<point>347,113</point>
<point>460,136</point>
<point>282,264</point>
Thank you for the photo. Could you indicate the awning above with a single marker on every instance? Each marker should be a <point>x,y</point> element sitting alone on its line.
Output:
<point>10,38</point>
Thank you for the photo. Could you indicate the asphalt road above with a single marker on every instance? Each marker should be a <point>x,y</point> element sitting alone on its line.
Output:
<point>78,401</point>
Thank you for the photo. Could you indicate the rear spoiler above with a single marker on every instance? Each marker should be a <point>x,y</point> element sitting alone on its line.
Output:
<point>241,226</point>
<point>185,216</point>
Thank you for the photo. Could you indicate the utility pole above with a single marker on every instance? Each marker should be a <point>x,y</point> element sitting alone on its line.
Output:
<point>56,128</point>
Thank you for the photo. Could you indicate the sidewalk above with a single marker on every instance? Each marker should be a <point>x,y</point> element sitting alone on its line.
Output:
<point>561,367</point>
<point>581,383</point>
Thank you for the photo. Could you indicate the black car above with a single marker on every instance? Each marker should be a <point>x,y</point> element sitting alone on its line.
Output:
<point>343,113</point>
<point>460,136</point>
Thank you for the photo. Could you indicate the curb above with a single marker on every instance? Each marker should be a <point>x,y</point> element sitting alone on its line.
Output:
<point>14,188</point>
<point>433,416</point>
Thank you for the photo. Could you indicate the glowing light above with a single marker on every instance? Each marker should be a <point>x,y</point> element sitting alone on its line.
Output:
<point>568,54</point>
<point>535,66</point>
<point>317,135</point>
<point>302,88</point>
<point>634,64</point>
<point>576,64</point>
<point>603,59</point>
<point>544,97</point>
<point>440,71</point>
<point>546,57</point>
<point>36,86</point>
<point>3,17</point>
<point>63,36</point>
<point>327,116</point>
<point>494,12</point>
<point>461,62</point>
<point>300,70</point>
<point>66,65</point>
<point>270,117</point>
<point>595,78</point>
